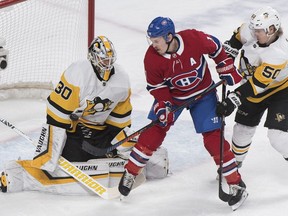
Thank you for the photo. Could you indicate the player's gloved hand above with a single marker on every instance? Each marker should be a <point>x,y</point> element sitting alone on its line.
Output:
<point>230,51</point>
<point>228,71</point>
<point>163,112</point>
<point>227,106</point>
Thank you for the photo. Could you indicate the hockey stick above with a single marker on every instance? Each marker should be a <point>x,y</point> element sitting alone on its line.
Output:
<point>102,151</point>
<point>69,168</point>
<point>222,195</point>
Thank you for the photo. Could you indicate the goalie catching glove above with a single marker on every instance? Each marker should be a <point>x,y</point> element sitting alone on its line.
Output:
<point>163,112</point>
<point>228,71</point>
<point>227,106</point>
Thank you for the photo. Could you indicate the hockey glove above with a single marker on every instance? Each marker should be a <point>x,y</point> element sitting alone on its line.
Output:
<point>227,106</point>
<point>163,112</point>
<point>228,71</point>
<point>230,51</point>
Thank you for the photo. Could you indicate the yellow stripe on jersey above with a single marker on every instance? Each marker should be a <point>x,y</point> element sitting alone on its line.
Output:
<point>266,73</point>
<point>121,114</point>
<point>62,102</point>
<point>58,118</point>
<point>264,82</point>
<point>284,84</point>
<point>46,179</point>
<point>119,125</point>
<point>65,98</point>
<point>86,124</point>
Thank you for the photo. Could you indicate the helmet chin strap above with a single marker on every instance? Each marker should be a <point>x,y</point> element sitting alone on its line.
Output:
<point>169,43</point>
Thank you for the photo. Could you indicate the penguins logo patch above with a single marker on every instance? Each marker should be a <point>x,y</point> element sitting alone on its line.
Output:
<point>97,105</point>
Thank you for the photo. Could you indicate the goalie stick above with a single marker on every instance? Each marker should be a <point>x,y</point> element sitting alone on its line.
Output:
<point>102,151</point>
<point>70,169</point>
<point>222,195</point>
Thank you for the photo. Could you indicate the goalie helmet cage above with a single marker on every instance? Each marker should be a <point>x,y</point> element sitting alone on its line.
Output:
<point>43,38</point>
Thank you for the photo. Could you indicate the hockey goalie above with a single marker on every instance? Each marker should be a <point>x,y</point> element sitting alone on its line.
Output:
<point>91,103</point>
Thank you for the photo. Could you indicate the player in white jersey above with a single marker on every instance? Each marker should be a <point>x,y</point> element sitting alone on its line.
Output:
<point>90,103</point>
<point>263,62</point>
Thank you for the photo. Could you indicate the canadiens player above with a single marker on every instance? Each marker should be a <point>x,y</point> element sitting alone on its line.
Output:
<point>91,102</point>
<point>263,62</point>
<point>176,70</point>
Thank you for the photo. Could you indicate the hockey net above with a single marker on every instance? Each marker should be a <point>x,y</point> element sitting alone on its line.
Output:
<point>43,38</point>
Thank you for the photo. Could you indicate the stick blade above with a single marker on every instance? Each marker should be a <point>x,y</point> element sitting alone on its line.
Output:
<point>224,196</point>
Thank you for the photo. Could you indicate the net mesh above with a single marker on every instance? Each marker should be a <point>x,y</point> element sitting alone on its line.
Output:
<point>43,38</point>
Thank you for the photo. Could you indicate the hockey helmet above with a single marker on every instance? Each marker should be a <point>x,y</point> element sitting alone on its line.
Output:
<point>161,27</point>
<point>102,55</point>
<point>265,17</point>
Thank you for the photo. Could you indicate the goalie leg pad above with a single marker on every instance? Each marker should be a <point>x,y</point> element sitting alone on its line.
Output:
<point>158,165</point>
<point>116,170</point>
<point>21,176</point>
<point>49,147</point>
<point>12,177</point>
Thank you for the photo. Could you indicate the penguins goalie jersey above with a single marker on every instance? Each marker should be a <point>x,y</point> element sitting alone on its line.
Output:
<point>96,103</point>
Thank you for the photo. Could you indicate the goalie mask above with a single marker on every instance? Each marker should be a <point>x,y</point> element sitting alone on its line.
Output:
<point>102,55</point>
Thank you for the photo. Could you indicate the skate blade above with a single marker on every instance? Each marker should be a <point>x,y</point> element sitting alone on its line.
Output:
<point>237,205</point>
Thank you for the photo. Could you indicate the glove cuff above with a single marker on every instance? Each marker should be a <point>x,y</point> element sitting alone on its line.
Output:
<point>234,98</point>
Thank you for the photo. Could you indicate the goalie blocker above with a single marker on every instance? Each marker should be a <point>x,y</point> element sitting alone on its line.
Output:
<point>27,175</point>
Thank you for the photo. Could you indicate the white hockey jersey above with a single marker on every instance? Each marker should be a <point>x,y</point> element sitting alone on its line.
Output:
<point>94,103</point>
<point>268,64</point>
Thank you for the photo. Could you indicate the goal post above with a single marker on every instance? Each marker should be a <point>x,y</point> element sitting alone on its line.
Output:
<point>43,38</point>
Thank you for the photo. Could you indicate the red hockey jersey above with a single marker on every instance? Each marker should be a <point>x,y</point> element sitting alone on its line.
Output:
<point>181,75</point>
